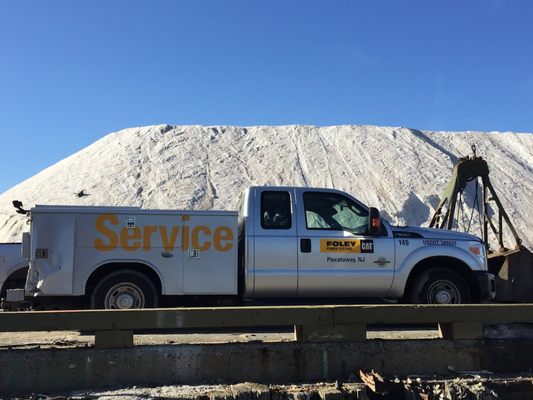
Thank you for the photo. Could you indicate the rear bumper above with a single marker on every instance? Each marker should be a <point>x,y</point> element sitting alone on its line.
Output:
<point>485,284</point>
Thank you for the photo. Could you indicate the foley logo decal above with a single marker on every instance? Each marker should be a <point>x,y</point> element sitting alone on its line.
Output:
<point>346,246</point>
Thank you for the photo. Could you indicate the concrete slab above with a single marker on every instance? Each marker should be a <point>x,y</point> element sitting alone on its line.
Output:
<point>23,371</point>
<point>330,333</point>
<point>461,330</point>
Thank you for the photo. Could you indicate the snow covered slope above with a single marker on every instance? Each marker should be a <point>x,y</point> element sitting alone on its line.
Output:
<point>401,171</point>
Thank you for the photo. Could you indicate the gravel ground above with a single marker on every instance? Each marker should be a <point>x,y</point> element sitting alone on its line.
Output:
<point>472,386</point>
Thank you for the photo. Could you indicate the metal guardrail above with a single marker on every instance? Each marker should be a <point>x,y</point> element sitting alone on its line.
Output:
<point>115,328</point>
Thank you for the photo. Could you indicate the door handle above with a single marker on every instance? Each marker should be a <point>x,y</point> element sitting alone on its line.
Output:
<point>305,245</point>
<point>381,261</point>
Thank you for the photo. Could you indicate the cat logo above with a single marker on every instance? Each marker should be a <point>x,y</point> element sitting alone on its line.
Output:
<point>367,246</point>
<point>346,246</point>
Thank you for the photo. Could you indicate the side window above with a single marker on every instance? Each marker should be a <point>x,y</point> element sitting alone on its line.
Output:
<point>276,210</point>
<point>334,212</point>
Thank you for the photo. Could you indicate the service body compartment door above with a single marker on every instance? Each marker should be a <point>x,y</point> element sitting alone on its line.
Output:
<point>275,245</point>
<point>336,255</point>
<point>210,258</point>
<point>114,235</point>
<point>52,253</point>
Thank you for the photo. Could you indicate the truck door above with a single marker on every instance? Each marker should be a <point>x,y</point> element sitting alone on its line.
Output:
<point>275,245</point>
<point>52,252</point>
<point>336,255</point>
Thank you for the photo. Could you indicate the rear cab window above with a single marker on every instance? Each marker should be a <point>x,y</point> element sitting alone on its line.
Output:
<point>276,210</point>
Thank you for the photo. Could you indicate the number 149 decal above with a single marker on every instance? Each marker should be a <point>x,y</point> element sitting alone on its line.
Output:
<point>403,242</point>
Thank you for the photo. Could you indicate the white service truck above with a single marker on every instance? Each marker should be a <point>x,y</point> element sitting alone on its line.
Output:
<point>284,243</point>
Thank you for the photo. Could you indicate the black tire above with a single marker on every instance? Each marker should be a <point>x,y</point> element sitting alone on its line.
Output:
<point>125,289</point>
<point>17,280</point>
<point>439,286</point>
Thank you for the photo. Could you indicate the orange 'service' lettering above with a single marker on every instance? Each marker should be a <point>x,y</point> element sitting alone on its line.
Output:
<point>127,235</point>
<point>195,238</point>
<point>100,227</point>
<point>185,236</point>
<point>168,244</point>
<point>223,233</point>
<point>199,237</point>
<point>147,236</point>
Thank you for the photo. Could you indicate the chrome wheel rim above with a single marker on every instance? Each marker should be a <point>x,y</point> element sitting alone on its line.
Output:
<point>124,296</point>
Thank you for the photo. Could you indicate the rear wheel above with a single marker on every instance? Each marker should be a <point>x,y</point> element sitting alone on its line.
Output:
<point>126,289</point>
<point>439,286</point>
<point>17,280</point>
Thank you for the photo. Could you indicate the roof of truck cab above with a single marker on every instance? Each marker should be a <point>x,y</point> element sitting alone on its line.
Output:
<point>293,187</point>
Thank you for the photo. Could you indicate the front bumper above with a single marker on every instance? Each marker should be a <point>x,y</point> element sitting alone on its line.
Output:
<point>485,283</point>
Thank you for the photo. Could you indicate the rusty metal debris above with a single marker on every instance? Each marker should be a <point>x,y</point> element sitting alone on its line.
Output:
<point>468,170</point>
<point>378,385</point>
<point>382,388</point>
<point>512,266</point>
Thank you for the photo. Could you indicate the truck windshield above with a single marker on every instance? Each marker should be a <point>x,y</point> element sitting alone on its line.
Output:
<point>331,211</point>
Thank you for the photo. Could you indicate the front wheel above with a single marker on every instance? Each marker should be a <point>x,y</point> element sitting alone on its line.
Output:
<point>126,289</point>
<point>439,286</point>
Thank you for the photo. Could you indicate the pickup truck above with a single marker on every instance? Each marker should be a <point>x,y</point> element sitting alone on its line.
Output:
<point>13,268</point>
<point>283,243</point>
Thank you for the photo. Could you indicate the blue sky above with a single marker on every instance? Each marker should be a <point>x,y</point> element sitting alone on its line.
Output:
<point>73,71</point>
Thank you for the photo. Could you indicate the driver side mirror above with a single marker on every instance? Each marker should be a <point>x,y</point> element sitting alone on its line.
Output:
<point>18,205</point>
<point>374,221</point>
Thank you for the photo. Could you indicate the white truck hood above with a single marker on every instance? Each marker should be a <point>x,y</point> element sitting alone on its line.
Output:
<point>432,233</point>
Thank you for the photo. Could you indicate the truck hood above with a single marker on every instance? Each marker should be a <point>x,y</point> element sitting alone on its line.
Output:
<point>431,233</point>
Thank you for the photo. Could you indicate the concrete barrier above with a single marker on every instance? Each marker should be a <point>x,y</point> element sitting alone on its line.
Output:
<point>54,371</point>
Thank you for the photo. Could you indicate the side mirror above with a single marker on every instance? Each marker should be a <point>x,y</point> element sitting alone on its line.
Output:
<point>18,205</point>
<point>374,221</point>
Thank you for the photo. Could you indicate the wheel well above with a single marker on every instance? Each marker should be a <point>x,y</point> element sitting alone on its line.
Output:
<point>18,276</point>
<point>106,269</point>
<point>449,263</point>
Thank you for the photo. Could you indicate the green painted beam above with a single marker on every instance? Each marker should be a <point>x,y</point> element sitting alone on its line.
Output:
<point>223,317</point>
<point>413,314</point>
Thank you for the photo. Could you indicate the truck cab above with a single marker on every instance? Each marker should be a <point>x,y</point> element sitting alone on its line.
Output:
<point>315,242</point>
